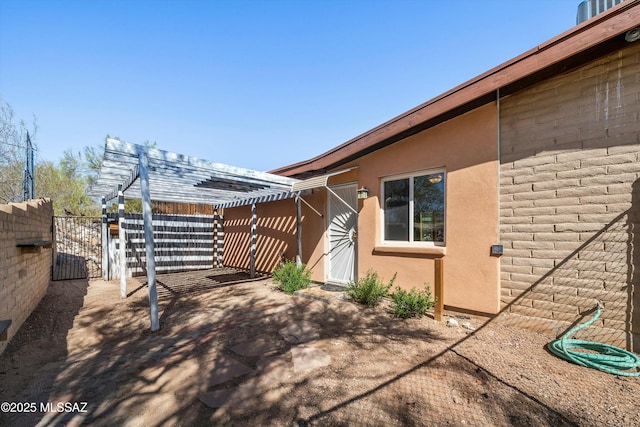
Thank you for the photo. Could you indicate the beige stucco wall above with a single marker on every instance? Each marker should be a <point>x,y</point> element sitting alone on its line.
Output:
<point>276,235</point>
<point>275,231</point>
<point>313,233</point>
<point>570,200</point>
<point>467,148</point>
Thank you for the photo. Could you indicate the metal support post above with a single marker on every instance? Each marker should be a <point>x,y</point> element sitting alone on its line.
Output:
<point>148,239</point>
<point>105,242</point>
<point>122,245</point>
<point>298,232</point>
<point>252,265</point>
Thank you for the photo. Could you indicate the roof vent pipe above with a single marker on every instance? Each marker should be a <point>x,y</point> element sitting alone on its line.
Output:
<point>590,8</point>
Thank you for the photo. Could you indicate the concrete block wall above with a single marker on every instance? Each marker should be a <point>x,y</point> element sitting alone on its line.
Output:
<point>24,272</point>
<point>570,201</point>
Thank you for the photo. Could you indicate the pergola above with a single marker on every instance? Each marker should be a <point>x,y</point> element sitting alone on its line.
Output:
<point>160,175</point>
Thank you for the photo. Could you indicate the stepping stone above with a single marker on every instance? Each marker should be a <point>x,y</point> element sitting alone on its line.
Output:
<point>306,358</point>
<point>321,293</point>
<point>262,344</point>
<point>226,368</point>
<point>234,397</point>
<point>274,368</point>
<point>299,332</point>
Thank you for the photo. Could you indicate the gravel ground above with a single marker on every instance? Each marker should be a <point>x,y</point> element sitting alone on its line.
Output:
<point>84,344</point>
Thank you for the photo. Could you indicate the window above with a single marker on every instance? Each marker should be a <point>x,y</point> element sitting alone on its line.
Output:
<point>413,208</point>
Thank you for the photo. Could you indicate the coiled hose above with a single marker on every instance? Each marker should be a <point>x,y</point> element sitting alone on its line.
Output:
<point>603,357</point>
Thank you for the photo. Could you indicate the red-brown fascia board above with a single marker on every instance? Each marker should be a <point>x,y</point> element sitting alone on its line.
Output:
<point>577,46</point>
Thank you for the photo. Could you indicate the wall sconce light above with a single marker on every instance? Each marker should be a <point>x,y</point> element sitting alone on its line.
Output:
<point>632,35</point>
<point>363,193</point>
<point>434,179</point>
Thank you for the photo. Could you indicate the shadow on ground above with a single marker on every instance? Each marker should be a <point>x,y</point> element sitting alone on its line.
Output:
<point>40,346</point>
<point>221,358</point>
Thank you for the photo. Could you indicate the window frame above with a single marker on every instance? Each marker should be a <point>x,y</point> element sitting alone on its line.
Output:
<point>411,242</point>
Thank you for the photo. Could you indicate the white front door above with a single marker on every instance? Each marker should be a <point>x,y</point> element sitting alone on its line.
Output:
<point>342,233</point>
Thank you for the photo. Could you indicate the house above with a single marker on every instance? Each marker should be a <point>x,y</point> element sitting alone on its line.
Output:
<point>525,180</point>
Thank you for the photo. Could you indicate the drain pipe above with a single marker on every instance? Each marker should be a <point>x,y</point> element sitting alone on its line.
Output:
<point>499,149</point>
<point>298,232</point>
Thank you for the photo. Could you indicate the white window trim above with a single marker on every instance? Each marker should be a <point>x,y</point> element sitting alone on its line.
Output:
<point>410,243</point>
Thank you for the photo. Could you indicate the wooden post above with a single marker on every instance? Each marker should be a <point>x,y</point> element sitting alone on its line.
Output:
<point>298,232</point>
<point>143,163</point>
<point>252,254</point>
<point>122,246</point>
<point>438,288</point>
<point>215,238</point>
<point>218,239</point>
<point>105,242</point>
<point>220,234</point>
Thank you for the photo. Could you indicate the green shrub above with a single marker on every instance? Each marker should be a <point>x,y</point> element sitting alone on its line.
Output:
<point>413,303</point>
<point>369,289</point>
<point>290,277</point>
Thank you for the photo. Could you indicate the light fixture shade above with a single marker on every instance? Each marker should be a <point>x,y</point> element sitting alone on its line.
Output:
<point>434,179</point>
<point>632,35</point>
<point>363,193</point>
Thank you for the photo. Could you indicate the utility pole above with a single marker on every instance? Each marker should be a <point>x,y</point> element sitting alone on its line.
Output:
<point>27,180</point>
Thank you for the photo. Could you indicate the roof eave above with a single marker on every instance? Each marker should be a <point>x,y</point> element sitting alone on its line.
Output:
<point>561,53</point>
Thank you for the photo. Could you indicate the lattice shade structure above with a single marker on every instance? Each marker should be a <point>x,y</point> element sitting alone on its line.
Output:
<point>179,178</point>
<point>158,175</point>
<point>163,176</point>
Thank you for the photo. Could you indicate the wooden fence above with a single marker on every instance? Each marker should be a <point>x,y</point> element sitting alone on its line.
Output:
<point>182,243</point>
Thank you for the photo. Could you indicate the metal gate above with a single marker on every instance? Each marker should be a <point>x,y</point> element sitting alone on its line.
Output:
<point>77,250</point>
<point>342,233</point>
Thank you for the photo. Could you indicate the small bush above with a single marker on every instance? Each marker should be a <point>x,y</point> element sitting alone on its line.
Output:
<point>369,289</point>
<point>290,277</point>
<point>413,303</point>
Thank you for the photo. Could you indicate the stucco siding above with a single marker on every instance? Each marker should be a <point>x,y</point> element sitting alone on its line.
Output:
<point>466,147</point>
<point>275,235</point>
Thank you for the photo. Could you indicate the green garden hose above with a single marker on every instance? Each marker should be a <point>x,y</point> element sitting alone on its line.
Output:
<point>603,357</point>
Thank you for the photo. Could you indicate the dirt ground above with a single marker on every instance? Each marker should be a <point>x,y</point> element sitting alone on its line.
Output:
<point>88,348</point>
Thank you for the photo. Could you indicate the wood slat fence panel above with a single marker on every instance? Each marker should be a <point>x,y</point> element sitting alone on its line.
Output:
<point>182,243</point>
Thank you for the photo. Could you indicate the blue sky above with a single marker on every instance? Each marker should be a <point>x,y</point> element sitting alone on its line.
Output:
<point>257,84</point>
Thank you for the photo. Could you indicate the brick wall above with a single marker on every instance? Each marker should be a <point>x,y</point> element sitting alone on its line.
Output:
<point>570,200</point>
<point>24,272</point>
